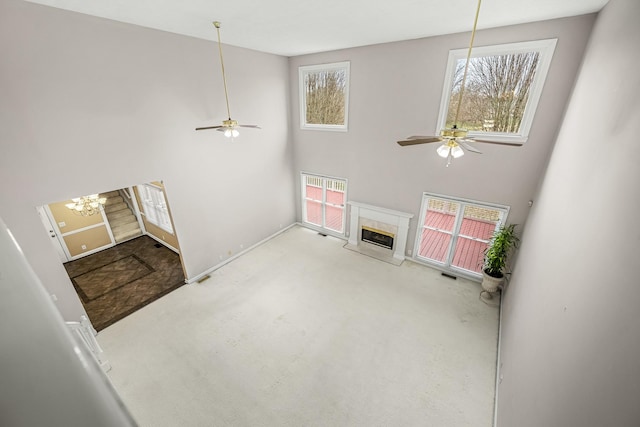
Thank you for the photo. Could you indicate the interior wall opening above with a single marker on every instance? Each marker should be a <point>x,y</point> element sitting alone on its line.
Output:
<point>119,248</point>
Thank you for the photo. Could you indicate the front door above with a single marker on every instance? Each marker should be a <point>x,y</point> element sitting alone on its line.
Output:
<point>53,234</point>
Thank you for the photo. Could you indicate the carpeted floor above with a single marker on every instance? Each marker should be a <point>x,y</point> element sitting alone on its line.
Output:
<point>118,281</point>
<point>302,332</point>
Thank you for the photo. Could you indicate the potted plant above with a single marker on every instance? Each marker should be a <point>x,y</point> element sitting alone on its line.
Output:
<point>503,242</point>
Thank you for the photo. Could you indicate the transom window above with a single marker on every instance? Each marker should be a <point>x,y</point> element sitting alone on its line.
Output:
<point>324,96</point>
<point>503,86</point>
<point>454,233</point>
<point>155,207</point>
<point>323,202</point>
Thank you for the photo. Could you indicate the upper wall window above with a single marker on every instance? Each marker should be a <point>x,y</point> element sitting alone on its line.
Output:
<point>324,96</point>
<point>503,86</point>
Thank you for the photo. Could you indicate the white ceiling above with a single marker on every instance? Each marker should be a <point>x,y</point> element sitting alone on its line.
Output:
<point>296,27</point>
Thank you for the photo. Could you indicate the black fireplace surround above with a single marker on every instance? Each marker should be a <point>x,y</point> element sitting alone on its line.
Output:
<point>377,237</point>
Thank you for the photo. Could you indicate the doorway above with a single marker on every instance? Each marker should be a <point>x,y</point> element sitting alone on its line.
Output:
<point>117,260</point>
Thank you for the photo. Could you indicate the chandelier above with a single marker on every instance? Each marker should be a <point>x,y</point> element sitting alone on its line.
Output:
<point>87,205</point>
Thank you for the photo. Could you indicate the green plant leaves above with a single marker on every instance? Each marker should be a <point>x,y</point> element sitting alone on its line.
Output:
<point>497,253</point>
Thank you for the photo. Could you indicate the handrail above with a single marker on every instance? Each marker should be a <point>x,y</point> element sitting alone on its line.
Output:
<point>128,200</point>
<point>86,333</point>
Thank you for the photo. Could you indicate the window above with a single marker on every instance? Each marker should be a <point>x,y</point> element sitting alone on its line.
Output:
<point>323,201</point>
<point>502,89</point>
<point>453,233</point>
<point>324,96</point>
<point>155,207</point>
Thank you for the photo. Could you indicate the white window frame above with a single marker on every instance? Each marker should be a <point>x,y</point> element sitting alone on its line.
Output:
<point>303,200</point>
<point>154,206</point>
<point>309,69</point>
<point>544,47</point>
<point>446,265</point>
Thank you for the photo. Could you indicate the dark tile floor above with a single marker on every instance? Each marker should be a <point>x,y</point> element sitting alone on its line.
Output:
<point>118,281</point>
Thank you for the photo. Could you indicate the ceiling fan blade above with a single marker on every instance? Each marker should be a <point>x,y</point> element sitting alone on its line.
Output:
<point>418,141</point>
<point>463,143</point>
<point>435,138</point>
<point>209,127</point>
<point>250,126</point>
<point>486,141</point>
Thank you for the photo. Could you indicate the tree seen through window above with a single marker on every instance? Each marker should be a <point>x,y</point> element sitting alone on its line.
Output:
<point>325,96</point>
<point>324,91</point>
<point>496,93</point>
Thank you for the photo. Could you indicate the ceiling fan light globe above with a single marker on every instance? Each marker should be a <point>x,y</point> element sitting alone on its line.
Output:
<point>228,133</point>
<point>234,133</point>
<point>443,151</point>
<point>457,151</point>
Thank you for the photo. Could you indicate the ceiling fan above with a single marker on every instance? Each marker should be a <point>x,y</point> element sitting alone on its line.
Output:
<point>229,126</point>
<point>454,140</point>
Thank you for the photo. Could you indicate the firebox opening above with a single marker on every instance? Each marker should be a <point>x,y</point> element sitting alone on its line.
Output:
<point>377,237</point>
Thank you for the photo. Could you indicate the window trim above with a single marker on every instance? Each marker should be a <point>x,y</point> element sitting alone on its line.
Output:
<point>454,234</point>
<point>306,69</point>
<point>545,47</point>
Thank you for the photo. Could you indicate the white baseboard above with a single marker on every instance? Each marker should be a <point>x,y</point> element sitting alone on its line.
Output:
<point>498,363</point>
<point>228,260</point>
<point>322,231</point>
<point>456,273</point>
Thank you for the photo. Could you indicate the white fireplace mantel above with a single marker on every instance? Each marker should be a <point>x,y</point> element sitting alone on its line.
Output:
<point>387,216</point>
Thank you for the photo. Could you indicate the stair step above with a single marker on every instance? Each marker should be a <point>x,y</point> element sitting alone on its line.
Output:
<point>127,235</point>
<point>115,207</point>
<point>112,200</point>
<point>110,194</point>
<point>112,216</point>
<point>122,220</point>
<point>125,227</point>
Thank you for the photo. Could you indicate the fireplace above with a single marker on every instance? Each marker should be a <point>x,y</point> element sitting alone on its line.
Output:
<point>378,232</point>
<point>377,237</point>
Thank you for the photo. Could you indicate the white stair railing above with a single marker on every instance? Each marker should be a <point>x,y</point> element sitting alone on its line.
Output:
<point>85,332</point>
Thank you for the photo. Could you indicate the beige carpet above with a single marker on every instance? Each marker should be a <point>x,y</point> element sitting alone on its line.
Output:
<point>302,332</point>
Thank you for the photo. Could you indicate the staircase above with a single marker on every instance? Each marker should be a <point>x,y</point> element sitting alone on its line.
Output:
<point>122,221</point>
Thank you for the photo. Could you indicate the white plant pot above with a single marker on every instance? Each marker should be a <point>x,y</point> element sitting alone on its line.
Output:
<point>491,284</point>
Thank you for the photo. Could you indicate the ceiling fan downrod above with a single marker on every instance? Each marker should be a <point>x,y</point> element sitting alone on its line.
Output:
<point>466,66</point>
<point>224,76</point>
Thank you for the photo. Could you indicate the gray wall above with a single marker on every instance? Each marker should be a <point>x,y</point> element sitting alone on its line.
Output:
<point>570,347</point>
<point>395,92</point>
<point>90,105</point>
<point>44,380</point>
